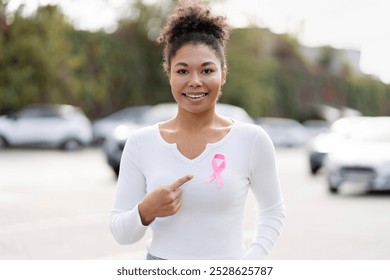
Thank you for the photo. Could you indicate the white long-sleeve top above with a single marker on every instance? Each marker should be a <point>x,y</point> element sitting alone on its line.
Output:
<point>209,224</point>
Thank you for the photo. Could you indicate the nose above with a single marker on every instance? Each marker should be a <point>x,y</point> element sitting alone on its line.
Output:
<point>195,80</point>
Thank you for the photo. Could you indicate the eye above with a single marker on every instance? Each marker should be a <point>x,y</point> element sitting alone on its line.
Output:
<point>182,71</point>
<point>208,71</point>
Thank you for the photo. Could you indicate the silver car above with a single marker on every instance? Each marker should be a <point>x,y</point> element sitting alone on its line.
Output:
<point>319,146</point>
<point>63,126</point>
<point>284,132</point>
<point>363,158</point>
<point>103,127</point>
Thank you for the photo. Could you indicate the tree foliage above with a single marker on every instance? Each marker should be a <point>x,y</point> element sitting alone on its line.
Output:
<point>35,60</point>
<point>43,59</point>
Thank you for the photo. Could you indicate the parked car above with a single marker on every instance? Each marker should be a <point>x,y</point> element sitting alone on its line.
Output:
<point>114,144</point>
<point>363,158</point>
<point>104,126</point>
<point>316,127</point>
<point>284,131</point>
<point>58,125</point>
<point>319,146</point>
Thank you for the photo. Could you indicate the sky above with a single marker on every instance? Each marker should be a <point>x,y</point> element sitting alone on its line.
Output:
<point>346,24</point>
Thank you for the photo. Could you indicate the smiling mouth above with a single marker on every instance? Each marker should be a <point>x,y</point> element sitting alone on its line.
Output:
<point>194,96</point>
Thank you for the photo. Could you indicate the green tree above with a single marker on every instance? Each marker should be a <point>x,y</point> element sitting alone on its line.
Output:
<point>44,59</point>
<point>123,68</point>
<point>35,65</point>
<point>251,73</point>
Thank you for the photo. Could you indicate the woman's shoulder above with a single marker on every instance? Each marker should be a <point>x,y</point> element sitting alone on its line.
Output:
<point>143,134</point>
<point>145,130</point>
<point>247,129</point>
<point>250,132</point>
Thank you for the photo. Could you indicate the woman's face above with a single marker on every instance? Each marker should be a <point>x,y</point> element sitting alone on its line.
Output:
<point>196,78</point>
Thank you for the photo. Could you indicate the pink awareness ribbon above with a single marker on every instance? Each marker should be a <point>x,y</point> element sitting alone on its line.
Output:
<point>217,169</point>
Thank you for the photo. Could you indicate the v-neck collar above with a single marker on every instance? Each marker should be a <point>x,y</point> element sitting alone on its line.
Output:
<point>209,146</point>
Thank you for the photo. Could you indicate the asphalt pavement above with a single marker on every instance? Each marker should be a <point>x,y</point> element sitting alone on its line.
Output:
<point>55,205</point>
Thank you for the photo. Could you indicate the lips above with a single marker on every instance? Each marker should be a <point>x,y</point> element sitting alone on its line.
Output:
<point>194,95</point>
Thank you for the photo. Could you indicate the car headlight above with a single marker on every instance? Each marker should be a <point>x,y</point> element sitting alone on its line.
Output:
<point>121,132</point>
<point>331,162</point>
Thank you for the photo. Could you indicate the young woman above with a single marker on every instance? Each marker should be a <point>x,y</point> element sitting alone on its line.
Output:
<point>187,178</point>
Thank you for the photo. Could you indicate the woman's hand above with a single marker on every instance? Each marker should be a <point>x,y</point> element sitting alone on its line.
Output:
<point>162,202</point>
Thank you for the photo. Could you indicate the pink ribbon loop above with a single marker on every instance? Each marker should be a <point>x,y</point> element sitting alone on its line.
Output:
<point>217,169</point>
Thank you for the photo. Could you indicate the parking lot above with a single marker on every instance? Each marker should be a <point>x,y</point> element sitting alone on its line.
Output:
<point>55,205</point>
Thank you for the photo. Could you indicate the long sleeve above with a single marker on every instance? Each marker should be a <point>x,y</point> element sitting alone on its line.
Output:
<point>266,189</point>
<point>125,222</point>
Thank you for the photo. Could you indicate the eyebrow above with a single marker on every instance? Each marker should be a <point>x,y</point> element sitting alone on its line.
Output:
<point>186,65</point>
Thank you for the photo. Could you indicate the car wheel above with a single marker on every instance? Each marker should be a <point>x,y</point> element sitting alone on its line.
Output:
<point>314,169</point>
<point>71,144</point>
<point>333,188</point>
<point>3,143</point>
<point>116,170</point>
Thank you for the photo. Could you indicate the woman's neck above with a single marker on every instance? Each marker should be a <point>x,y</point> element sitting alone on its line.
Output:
<point>192,122</point>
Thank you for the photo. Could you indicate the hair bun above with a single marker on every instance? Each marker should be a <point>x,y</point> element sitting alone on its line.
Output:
<point>190,18</point>
<point>192,22</point>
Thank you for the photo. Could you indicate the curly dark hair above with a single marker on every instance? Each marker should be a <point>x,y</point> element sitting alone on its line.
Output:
<point>191,22</point>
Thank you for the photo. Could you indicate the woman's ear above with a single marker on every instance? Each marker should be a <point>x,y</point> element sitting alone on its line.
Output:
<point>224,74</point>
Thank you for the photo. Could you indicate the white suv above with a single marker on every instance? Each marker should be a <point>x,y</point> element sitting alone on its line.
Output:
<point>62,126</point>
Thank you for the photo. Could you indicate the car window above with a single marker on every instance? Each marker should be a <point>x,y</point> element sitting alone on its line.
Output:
<point>50,113</point>
<point>134,113</point>
<point>28,113</point>
<point>39,112</point>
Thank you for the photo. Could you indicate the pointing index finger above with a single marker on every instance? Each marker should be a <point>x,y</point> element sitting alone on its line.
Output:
<point>181,182</point>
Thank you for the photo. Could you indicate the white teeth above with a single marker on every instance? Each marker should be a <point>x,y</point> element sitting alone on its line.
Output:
<point>193,96</point>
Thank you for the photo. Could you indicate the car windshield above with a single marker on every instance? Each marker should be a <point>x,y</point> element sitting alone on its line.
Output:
<point>372,130</point>
<point>131,113</point>
<point>280,123</point>
<point>345,126</point>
